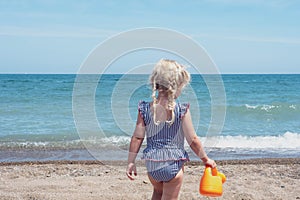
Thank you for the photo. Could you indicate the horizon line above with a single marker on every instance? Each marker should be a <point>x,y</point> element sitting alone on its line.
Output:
<point>227,73</point>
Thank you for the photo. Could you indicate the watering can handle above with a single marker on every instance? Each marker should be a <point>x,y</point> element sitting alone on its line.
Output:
<point>214,170</point>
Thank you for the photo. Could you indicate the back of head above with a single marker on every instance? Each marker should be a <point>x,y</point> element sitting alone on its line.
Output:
<point>168,76</point>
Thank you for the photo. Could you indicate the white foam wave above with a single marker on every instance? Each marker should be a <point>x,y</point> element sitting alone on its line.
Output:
<point>117,140</point>
<point>293,107</point>
<point>288,140</point>
<point>251,107</point>
<point>269,108</point>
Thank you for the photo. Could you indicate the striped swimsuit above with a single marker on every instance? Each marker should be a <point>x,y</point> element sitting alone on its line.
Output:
<point>164,154</point>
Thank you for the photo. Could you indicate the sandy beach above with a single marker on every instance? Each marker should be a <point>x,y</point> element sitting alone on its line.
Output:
<point>246,179</point>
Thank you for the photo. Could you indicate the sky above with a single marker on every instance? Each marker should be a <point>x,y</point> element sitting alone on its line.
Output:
<point>241,36</point>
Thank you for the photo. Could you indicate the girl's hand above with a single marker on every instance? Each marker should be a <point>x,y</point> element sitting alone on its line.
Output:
<point>210,163</point>
<point>131,168</point>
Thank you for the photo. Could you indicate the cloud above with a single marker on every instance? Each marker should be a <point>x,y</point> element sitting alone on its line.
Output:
<point>86,32</point>
<point>266,40</point>
<point>81,32</point>
<point>265,3</point>
<point>295,41</point>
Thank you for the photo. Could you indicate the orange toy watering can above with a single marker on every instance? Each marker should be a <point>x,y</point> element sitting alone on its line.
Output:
<point>211,182</point>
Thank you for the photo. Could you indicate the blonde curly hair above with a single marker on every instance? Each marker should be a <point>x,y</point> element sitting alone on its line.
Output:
<point>168,76</point>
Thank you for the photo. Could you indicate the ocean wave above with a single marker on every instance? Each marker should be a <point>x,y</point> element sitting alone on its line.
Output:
<point>113,142</point>
<point>34,145</point>
<point>288,140</point>
<point>279,109</point>
<point>269,108</point>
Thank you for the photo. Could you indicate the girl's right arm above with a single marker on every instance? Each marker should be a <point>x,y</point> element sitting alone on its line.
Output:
<point>194,141</point>
<point>135,145</point>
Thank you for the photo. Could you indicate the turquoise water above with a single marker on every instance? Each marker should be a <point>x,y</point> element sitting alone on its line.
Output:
<point>36,116</point>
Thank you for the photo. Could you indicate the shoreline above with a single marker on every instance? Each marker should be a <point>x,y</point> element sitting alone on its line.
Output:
<point>277,161</point>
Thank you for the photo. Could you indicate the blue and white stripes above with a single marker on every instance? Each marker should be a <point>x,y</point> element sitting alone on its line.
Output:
<point>164,142</point>
<point>164,171</point>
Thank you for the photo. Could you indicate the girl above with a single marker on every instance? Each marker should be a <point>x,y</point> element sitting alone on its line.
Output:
<point>166,124</point>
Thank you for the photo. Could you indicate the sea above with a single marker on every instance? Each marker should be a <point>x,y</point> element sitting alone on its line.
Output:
<point>40,119</point>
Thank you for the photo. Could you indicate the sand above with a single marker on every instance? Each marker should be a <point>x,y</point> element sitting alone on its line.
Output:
<point>246,179</point>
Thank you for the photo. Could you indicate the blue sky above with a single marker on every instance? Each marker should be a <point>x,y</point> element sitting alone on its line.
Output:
<point>241,36</point>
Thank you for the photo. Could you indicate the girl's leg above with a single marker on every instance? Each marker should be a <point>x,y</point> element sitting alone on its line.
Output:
<point>171,189</point>
<point>157,188</point>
